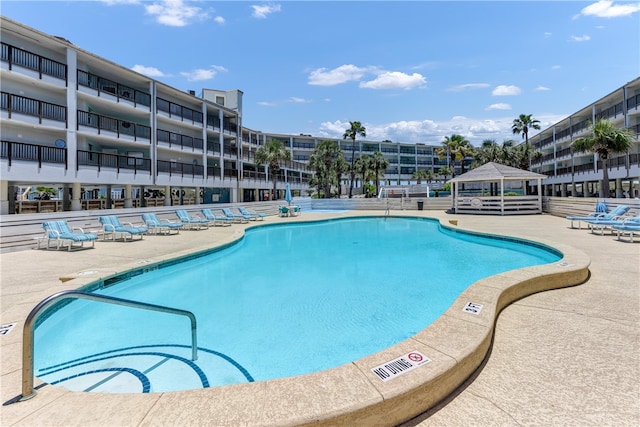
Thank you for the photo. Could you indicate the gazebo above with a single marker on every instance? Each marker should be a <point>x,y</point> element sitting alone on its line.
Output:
<point>486,191</point>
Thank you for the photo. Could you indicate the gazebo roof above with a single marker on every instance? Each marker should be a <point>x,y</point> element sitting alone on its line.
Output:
<point>495,172</point>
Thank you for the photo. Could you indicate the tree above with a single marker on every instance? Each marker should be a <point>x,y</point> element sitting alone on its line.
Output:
<point>419,175</point>
<point>454,147</point>
<point>327,161</point>
<point>604,139</point>
<point>379,164</point>
<point>271,154</point>
<point>445,171</point>
<point>362,167</point>
<point>351,133</point>
<point>521,126</point>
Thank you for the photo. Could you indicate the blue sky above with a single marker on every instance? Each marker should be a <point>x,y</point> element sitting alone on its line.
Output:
<point>412,71</point>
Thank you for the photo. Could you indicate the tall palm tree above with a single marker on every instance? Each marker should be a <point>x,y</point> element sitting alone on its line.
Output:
<point>464,150</point>
<point>379,164</point>
<point>351,133</point>
<point>605,139</point>
<point>341,166</point>
<point>271,154</point>
<point>521,126</point>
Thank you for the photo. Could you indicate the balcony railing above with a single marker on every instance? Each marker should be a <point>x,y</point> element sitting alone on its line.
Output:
<point>116,89</point>
<point>117,126</point>
<point>260,176</point>
<point>32,153</point>
<point>181,112</point>
<point>230,127</point>
<point>113,161</point>
<point>633,102</point>
<point>182,141</point>
<point>231,173</point>
<point>213,122</point>
<point>180,169</point>
<point>612,111</point>
<point>32,61</point>
<point>214,171</point>
<point>213,147</point>
<point>32,107</point>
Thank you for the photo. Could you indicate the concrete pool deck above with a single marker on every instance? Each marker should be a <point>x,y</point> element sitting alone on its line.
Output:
<point>564,357</point>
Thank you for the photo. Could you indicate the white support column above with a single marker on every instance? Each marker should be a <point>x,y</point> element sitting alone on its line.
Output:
<point>167,196</point>
<point>198,198</point>
<point>4,197</point>
<point>128,202</point>
<point>76,189</point>
<point>618,188</point>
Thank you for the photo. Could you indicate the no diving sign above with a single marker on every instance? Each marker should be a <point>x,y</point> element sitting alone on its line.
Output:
<point>400,365</point>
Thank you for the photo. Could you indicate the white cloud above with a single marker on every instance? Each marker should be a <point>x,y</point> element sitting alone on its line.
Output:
<point>504,90</point>
<point>267,104</point>
<point>499,106</point>
<point>262,11</point>
<point>395,80</point>
<point>606,9</point>
<point>148,71</point>
<point>462,87</point>
<point>547,34</point>
<point>175,13</point>
<point>556,67</point>
<point>542,88</point>
<point>297,100</point>
<point>219,20</point>
<point>342,74</point>
<point>201,74</point>
<point>581,38</point>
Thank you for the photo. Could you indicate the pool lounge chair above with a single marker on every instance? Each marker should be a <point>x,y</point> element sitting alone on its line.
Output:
<point>604,224</point>
<point>251,214</point>
<point>60,233</point>
<point>628,228</point>
<point>235,217</point>
<point>616,212</point>
<point>216,220</point>
<point>157,226</point>
<point>191,222</point>
<point>295,210</point>
<point>112,228</point>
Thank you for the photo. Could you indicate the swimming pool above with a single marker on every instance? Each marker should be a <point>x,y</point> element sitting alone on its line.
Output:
<point>284,301</point>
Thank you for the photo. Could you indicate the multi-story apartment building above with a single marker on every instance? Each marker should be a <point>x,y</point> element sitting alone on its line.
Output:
<point>578,174</point>
<point>103,135</point>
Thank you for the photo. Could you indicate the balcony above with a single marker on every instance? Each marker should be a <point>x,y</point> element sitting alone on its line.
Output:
<point>32,153</point>
<point>179,112</point>
<point>113,161</point>
<point>32,107</point>
<point>180,169</point>
<point>120,91</point>
<point>178,140</point>
<point>40,64</point>
<point>115,126</point>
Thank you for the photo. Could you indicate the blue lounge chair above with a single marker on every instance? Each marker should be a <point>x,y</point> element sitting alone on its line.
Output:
<point>216,220</point>
<point>296,210</point>
<point>252,215</point>
<point>156,226</point>
<point>112,227</point>
<point>191,222</point>
<point>603,224</point>
<point>60,233</point>
<point>616,212</point>
<point>235,217</point>
<point>628,228</point>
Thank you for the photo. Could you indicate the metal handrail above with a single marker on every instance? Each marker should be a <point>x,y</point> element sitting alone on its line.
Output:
<point>27,333</point>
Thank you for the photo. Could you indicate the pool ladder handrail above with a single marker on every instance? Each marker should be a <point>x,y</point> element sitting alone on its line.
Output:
<point>28,390</point>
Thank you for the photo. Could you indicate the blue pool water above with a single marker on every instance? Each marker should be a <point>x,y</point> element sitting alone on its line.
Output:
<point>286,300</point>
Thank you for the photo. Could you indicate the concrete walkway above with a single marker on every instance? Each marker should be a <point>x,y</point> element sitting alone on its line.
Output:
<point>562,357</point>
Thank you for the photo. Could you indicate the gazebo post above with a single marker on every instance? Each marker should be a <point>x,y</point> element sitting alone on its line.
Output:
<point>502,196</point>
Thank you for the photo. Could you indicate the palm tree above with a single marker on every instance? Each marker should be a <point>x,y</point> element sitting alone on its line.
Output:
<point>452,150</point>
<point>419,175</point>
<point>328,162</point>
<point>271,154</point>
<point>605,139</point>
<point>362,167</point>
<point>379,164</point>
<point>521,126</point>
<point>351,133</point>
<point>341,166</point>
<point>464,150</point>
<point>446,171</point>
